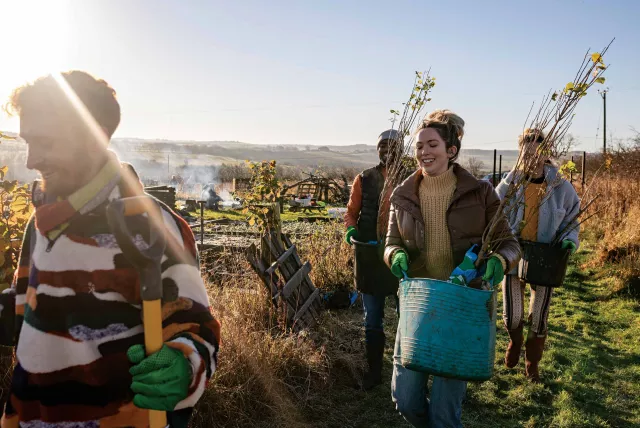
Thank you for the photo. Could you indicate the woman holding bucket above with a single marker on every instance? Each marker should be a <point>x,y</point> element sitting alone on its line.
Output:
<point>548,207</point>
<point>437,215</point>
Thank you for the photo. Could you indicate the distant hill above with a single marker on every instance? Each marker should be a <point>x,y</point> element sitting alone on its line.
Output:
<point>158,158</point>
<point>227,151</point>
<point>358,155</point>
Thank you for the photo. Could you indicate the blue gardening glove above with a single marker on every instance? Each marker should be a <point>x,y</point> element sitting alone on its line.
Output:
<point>352,232</point>
<point>161,380</point>
<point>399,264</point>
<point>466,271</point>
<point>495,271</point>
<point>569,245</point>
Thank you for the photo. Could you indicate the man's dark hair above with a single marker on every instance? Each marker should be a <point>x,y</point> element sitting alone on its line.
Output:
<point>45,92</point>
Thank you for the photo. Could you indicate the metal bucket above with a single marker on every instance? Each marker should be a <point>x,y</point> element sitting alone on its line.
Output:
<point>447,330</point>
<point>542,264</point>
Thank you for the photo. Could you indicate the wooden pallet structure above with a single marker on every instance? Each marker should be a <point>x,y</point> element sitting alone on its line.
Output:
<point>287,279</point>
<point>320,188</point>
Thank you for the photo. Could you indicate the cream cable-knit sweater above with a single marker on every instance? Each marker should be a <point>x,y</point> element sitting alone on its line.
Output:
<point>435,196</point>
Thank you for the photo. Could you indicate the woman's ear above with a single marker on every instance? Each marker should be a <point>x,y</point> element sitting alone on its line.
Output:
<point>451,151</point>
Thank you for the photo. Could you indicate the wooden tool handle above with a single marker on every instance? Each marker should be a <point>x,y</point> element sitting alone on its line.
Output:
<point>152,322</point>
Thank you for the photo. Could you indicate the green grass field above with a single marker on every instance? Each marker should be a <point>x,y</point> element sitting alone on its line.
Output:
<point>590,369</point>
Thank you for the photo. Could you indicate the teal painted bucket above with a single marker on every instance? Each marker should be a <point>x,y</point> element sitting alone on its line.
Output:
<point>447,330</point>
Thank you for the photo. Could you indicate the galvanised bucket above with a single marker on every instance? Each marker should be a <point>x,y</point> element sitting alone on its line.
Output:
<point>447,330</point>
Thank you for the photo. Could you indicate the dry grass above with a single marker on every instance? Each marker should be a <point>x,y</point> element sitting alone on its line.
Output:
<point>616,226</point>
<point>228,268</point>
<point>267,377</point>
<point>264,376</point>
<point>330,256</point>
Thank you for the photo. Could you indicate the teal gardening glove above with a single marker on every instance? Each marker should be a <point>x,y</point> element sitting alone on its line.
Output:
<point>495,271</point>
<point>161,380</point>
<point>466,271</point>
<point>399,264</point>
<point>352,232</point>
<point>569,245</point>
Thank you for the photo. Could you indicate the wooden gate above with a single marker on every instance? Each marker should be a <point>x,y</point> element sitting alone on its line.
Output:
<point>287,279</point>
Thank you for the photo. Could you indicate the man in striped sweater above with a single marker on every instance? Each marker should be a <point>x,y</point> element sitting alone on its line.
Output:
<point>80,359</point>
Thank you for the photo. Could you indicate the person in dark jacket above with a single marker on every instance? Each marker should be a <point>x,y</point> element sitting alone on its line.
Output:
<point>437,214</point>
<point>361,221</point>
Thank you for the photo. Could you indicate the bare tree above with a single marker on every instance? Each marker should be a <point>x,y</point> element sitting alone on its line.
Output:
<point>564,146</point>
<point>474,166</point>
<point>399,165</point>
<point>555,114</point>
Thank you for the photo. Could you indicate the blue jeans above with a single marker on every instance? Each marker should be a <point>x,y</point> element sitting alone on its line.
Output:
<point>374,313</point>
<point>409,391</point>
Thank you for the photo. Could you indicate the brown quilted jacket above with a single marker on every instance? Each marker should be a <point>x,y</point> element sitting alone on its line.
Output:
<point>473,204</point>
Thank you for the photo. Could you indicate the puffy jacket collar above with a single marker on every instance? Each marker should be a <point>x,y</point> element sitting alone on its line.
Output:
<point>406,196</point>
<point>466,182</point>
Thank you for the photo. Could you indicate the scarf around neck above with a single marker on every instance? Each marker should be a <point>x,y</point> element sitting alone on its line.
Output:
<point>53,214</point>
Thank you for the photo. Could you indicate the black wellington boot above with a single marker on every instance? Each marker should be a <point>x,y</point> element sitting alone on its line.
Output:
<point>375,350</point>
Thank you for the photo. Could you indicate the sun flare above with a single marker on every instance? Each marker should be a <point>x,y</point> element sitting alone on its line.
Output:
<point>34,40</point>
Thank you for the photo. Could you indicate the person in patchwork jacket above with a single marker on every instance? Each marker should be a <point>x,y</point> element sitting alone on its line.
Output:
<point>80,357</point>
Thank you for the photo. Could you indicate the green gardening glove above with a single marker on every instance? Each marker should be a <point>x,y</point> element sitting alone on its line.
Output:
<point>161,380</point>
<point>399,264</point>
<point>495,271</point>
<point>352,232</point>
<point>569,245</point>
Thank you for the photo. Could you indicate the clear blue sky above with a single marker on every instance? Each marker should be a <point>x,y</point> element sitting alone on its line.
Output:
<point>327,72</point>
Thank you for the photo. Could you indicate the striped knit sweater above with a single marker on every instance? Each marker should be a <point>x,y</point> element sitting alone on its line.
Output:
<point>78,310</point>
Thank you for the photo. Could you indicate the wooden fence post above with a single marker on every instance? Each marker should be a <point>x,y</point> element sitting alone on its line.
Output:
<point>273,228</point>
<point>571,172</point>
<point>493,177</point>
<point>202,221</point>
<point>584,167</point>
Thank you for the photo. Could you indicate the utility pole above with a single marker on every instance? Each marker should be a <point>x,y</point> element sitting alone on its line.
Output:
<point>603,94</point>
